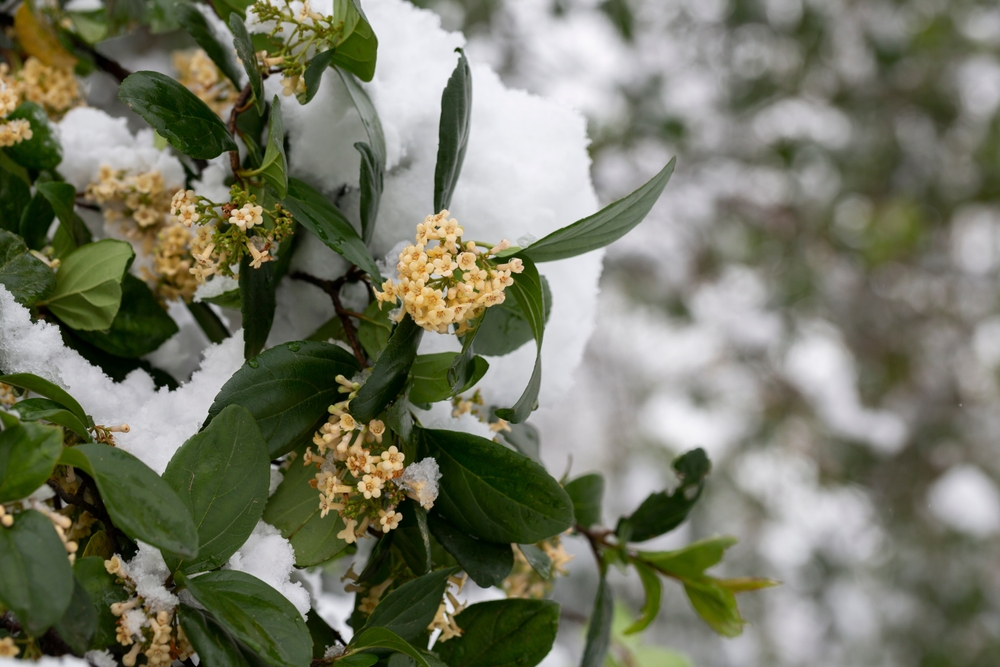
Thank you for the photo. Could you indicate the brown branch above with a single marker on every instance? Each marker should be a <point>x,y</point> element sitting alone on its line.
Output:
<point>78,499</point>
<point>332,288</point>
<point>239,107</point>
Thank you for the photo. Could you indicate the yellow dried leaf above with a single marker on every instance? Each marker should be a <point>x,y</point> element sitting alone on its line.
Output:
<point>39,40</point>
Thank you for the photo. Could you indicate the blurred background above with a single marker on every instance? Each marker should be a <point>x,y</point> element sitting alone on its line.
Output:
<point>813,301</point>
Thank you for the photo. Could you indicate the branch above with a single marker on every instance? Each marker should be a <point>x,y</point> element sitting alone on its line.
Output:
<point>77,499</point>
<point>239,106</point>
<point>332,288</point>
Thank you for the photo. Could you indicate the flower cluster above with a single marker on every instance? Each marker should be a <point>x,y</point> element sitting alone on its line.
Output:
<point>145,624</point>
<point>228,232</point>
<point>173,257</point>
<point>11,131</point>
<point>525,582</point>
<point>138,200</point>
<point>475,406</point>
<point>55,89</point>
<point>197,73</point>
<point>362,478</point>
<point>451,282</point>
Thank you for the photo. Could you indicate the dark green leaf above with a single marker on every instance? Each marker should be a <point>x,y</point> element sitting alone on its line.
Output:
<point>358,53</point>
<point>493,493</point>
<point>212,642</point>
<point>37,581</point>
<point>209,322</point>
<point>653,588</point>
<point>62,199</point>
<point>103,591</point>
<point>257,303</point>
<point>599,630</point>
<point>42,151</point>
<point>294,510</point>
<point>524,438</point>
<point>14,197</point>
<point>505,328</point>
<point>88,291</point>
<point>247,53</point>
<point>255,614</point>
<point>226,8</point>
<point>35,221</point>
<point>43,387</point>
<point>662,512</point>
<point>222,474</point>
<point>28,454</point>
<point>371,183</point>
<point>140,503</point>
<point>331,330</point>
<point>78,625</point>
<point>383,638</point>
<point>25,276</point>
<point>408,610</point>
<point>314,74</point>
<point>604,227</point>
<point>322,634</point>
<point>361,660</point>
<point>230,299</point>
<point>587,493</point>
<point>317,214</point>
<point>374,332</point>
<point>140,326</point>
<point>412,539</point>
<point>369,117</point>
<point>527,289</point>
<point>194,22</point>
<point>503,633</point>
<point>274,168</point>
<point>429,377</point>
<point>288,390</point>
<point>36,409</point>
<point>176,114</point>
<point>488,563</point>
<point>453,132</point>
<point>537,559</point>
<point>388,376</point>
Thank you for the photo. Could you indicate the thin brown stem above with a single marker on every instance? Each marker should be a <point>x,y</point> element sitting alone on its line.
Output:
<point>332,288</point>
<point>241,105</point>
<point>78,499</point>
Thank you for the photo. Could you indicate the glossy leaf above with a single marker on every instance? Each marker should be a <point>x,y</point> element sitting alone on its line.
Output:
<point>313,75</point>
<point>196,25</point>
<point>43,387</point>
<point>25,276</point>
<point>316,213</point>
<point>37,581</point>
<point>388,376</point>
<point>222,474</point>
<point>37,409</point>
<point>453,132</point>
<point>247,54</point>
<point>35,221</point>
<point>322,635</point>
<point>42,151</point>
<point>256,614</point>
<point>359,51</point>
<point>409,609</point>
<point>412,539</point>
<point>371,182</point>
<point>587,493</point>
<point>62,198</point>
<point>368,114</point>
<point>88,289</point>
<point>524,438</point>
<point>28,455</point>
<point>287,389</point>
<point>599,630</point>
<point>429,377</point>
<point>374,332</point>
<point>493,493</point>
<point>274,167</point>
<point>214,644</point>
<point>505,328</point>
<point>176,114</point>
<point>527,289</point>
<point>15,196</point>
<point>537,559</point>
<point>662,512</point>
<point>503,633</point>
<point>604,227</point>
<point>140,327</point>
<point>383,638</point>
<point>79,623</point>
<point>103,591</point>
<point>487,563</point>
<point>257,304</point>
<point>654,589</point>
<point>139,501</point>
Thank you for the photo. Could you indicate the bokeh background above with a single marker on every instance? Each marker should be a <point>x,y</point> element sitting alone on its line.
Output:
<point>813,301</point>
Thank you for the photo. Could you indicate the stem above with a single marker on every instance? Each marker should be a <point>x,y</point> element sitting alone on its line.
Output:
<point>208,321</point>
<point>332,288</point>
<point>239,107</point>
<point>77,499</point>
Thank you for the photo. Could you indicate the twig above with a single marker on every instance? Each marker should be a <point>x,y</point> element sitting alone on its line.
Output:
<point>332,288</point>
<point>239,107</point>
<point>78,500</point>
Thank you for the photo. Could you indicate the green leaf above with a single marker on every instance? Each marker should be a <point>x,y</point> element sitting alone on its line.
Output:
<point>488,563</point>
<point>62,199</point>
<point>389,374</point>
<point>505,328</point>
<point>691,561</point>
<point>247,54</point>
<point>37,581</point>
<point>493,493</point>
<point>369,116</point>
<point>716,605</point>
<point>36,409</point>
<point>255,614</point>
<point>226,8</point>
<point>359,660</point>
<point>453,132</point>
<point>524,438</point>
<point>88,290</point>
<point>230,299</point>
<point>26,277</point>
<point>412,539</point>
<point>537,559</point>
<point>371,183</point>
<point>43,387</point>
<point>78,625</point>
<point>429,377</point>
<point>384,638</point>
<point>599,630</point>
<point>374,332</point>
<point>140,503</point>
<point>28,454</point>
<point>313,75</point>
<point>176,114</point>
<point>35,221</point>
<point>194,22</point>
<point>210,640</point>
<point>140,327</point>
<point>503,633</point>
<point>358,53</point>
<point>103,591</point>
<point>653,588</point>
<point>288,390</point>
<point>294,510</point>
<point>587,493</point>
<point>14,197</point>
<point>322,634</point>
<point>747,584</point>
<point>42,151</point>
<point>317,214</point>
<point>662,512</point>
<point>527,289</point>
<point>257,304</point>
<point>408,610</point>
<point>274,168</point>
<point>604,227</point>
<point>222,474</point>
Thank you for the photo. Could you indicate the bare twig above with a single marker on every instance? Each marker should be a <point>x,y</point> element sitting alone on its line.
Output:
<point>239,107</point>
<point>332,288</point>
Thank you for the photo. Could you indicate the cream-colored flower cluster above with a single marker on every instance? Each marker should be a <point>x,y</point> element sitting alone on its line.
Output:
<point>173,257</point>
<point>360,477</point>
<point>152,632</point>
<point>53,88</point>
<point>197,73</point>
<point>11,131</point>
<point>450,282</point>
<point>524,582</point>
<point>474,405</point>
<point>131,197</point>
<point>8,649</point>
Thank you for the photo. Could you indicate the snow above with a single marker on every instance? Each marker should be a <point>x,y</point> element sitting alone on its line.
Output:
<point>967,500</point>
<point>149,573</point>
<point>421,479</point>
<point>271,558</point>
